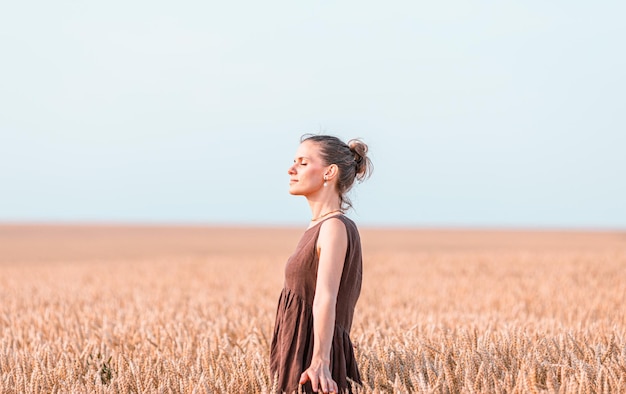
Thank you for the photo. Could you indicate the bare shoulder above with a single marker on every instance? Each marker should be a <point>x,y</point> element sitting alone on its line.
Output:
<point>332,230</point>
<point>333,225</point>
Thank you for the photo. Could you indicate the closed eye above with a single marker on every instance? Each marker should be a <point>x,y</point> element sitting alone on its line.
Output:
<point>301,161</point>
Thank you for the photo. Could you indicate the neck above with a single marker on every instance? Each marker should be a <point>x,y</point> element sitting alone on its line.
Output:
<point>321,209</point>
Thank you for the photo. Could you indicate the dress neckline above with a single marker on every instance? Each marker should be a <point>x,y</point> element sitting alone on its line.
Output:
<point>325,219</point>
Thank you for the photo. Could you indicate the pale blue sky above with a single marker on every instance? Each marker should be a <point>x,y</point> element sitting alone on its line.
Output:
<point>485,113</point>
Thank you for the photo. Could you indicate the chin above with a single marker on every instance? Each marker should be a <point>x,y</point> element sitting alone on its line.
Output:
<point>294,191</point>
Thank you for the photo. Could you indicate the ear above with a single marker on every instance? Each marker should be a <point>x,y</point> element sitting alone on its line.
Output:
<point>331,172</point>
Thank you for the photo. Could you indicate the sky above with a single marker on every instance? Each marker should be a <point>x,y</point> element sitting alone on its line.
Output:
<point>477,114</point>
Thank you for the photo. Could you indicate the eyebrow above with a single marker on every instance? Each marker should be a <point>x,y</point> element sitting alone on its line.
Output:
<point>301,158</point>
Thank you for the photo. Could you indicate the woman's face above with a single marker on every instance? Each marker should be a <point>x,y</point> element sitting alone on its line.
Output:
<point>307,172</point>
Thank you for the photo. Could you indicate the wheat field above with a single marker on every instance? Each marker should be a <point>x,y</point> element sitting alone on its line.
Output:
<point>112,309</point>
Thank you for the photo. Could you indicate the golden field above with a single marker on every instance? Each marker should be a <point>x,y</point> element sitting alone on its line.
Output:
<point>136,309</point>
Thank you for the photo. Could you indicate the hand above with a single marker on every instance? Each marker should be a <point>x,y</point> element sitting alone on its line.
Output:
<point>319,375</point>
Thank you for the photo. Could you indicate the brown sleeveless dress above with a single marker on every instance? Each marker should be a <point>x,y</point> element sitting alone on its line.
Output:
<point>292,344</point>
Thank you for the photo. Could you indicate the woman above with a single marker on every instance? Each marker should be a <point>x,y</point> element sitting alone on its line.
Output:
<point>311,343</point>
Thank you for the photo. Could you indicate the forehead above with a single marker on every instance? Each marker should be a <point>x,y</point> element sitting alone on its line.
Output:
<point>308,150</point>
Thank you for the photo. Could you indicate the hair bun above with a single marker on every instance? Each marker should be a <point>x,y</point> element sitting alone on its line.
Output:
<point>362,162</point>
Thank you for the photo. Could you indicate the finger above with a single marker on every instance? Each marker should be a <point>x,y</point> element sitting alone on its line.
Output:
<point>314,382</point>
<point>304,377</point>
<point>324,385</point>
<point>332,386</point>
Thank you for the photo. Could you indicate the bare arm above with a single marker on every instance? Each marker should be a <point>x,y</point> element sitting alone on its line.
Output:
<point>332,244</point>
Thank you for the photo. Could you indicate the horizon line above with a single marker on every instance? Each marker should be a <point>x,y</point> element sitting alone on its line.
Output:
<point>287,225</point>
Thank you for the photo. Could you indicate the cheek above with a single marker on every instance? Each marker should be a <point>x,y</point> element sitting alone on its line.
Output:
<point>313,173</point>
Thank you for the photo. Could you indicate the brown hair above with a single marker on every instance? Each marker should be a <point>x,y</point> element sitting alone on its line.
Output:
<point>350,158</point>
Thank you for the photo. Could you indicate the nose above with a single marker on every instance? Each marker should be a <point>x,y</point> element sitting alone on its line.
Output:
<point>291,169</point>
